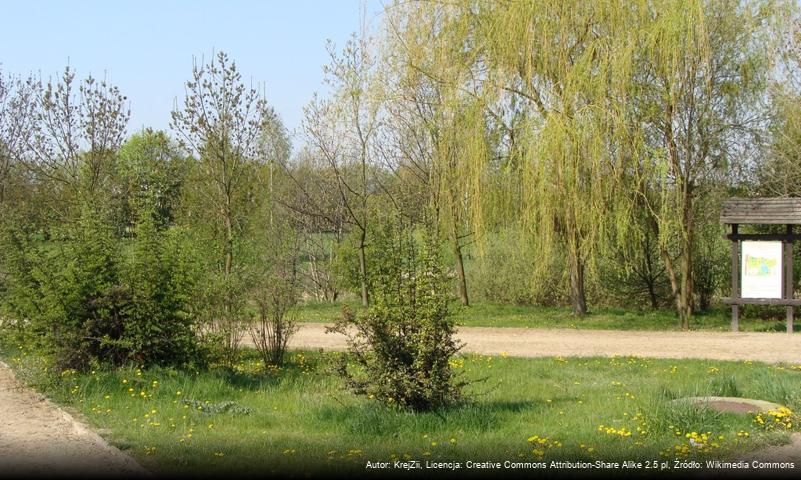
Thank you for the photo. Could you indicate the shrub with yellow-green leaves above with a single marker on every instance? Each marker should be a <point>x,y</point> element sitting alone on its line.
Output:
<point>400,348</point>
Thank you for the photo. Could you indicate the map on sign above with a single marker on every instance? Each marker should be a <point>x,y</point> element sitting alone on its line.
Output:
<point>762,269</point>
<point>760,266</point>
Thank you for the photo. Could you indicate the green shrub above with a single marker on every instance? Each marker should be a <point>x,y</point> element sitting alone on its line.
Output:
<point>634,278</point>
<point>221,307</point>
<point>160,325</point>
<point>19,285</point>
<point>81,299</point>
<point>84,304</point>
<point>150,173</point>
<point>711,265</point>
<point>400,347</point>
<point>503,272</point>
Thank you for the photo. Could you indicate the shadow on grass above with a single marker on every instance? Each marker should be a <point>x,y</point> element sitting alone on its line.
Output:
<point>260,380</point>
<point>777,326</point>
<point>291,372</point>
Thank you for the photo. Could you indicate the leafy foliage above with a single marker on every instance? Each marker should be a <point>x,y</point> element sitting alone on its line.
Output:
<point>161,279</point>
<point>504,272</point>
<point>403,343</point>
<point>85,301</point>
<point>151,172</point>
<point>84,304</point>
<point>208,408</point>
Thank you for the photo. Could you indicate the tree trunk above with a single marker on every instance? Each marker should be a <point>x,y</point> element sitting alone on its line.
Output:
<point>230,325</point>
<point>681,287</point>
<point>650,276</point>
<point>577,296</point>
<point>363,269</point>
<point>229,244</point>
<point>652,294</point>
<point>681,284</point>
<point>687,259</point>
<point>686,289</point>
<point>703,300</point>
<point>457,251</point>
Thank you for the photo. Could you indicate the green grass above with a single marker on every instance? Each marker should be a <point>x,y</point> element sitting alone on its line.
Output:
<point>301,418</point>
<point>484,314</point>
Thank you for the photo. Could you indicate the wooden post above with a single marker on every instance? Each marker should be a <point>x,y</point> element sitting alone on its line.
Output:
<point>789,284</point>
<point>735,279</point>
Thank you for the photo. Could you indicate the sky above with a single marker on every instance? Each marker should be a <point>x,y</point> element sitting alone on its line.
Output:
<point>146,48</point>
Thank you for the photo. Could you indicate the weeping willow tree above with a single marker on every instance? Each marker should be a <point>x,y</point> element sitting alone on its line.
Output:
<point>780,174</point>
<point>464,137</point>
<point>701,74</point>
<point>552,75</point>
<point>596,114</point>
<point>437,117</point>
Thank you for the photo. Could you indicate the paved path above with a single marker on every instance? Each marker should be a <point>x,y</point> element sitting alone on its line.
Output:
<point>525,342</point>
<point>39,439</point>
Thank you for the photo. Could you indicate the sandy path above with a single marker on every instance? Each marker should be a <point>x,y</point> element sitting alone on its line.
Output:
<point>525,342</point>
<point>781,453</point>
<point>38,438</point>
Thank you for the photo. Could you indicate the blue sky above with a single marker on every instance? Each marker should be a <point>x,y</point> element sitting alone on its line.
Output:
<point>146,47</point>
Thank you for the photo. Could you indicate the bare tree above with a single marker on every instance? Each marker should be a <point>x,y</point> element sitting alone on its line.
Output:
<point>310,196</point>
<point>342,131</point>
<point>75,134</point>
<point>276,295</point>
<point>16,126</point>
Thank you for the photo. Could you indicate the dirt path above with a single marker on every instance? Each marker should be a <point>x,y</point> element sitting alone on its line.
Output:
<point>781,453</point>
<point>38,438</point>
<point>525,342</point>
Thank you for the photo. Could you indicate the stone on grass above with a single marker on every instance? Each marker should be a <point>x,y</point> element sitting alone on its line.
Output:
<point>731,404</point>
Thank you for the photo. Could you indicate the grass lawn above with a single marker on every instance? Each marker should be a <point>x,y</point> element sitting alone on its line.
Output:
<point>301,419</point>
<point>483,314</point>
